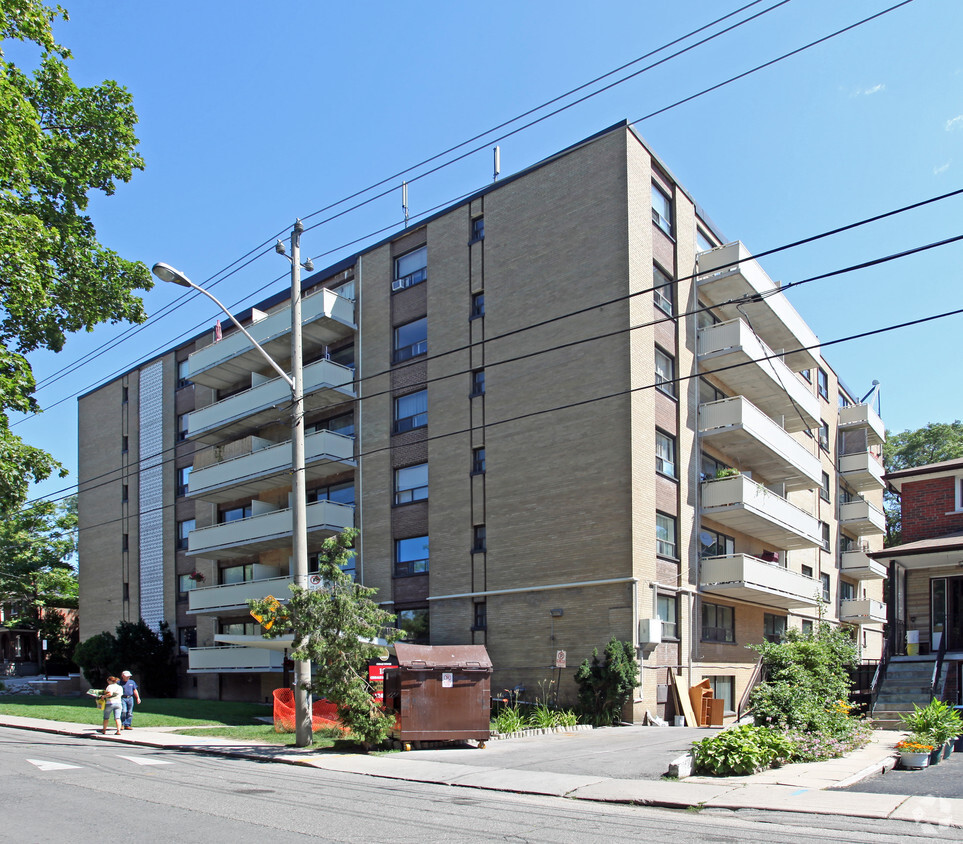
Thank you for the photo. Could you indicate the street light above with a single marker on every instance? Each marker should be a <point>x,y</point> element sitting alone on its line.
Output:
<point>302,668</point>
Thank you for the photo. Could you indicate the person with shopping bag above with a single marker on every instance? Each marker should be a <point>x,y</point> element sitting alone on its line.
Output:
<point>111,697</point>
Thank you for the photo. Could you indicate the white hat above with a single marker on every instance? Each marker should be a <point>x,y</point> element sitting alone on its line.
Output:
<point>125,674</point>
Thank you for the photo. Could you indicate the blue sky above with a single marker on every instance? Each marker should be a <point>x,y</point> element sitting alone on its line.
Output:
<point>250,117</point>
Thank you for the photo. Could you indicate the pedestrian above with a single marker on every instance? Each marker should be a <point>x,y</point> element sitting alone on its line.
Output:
<point>130,695</point>
<point>112,695</point>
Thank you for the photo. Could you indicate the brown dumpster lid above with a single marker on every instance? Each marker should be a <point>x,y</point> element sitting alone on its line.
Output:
<point>441,657</point>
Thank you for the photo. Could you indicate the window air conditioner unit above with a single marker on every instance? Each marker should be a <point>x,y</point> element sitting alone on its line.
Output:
<point>398,284</point>
<point>650,631</point>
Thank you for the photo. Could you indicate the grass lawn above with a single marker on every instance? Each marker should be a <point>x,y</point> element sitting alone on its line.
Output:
<point>260,732</point>
<point>159,712</point>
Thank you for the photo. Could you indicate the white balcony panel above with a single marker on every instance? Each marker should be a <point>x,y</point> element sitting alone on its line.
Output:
<point>862,471</point>
<point>863,416</point>
<point>325,454</point>
<point>751,369</point>
<point>326,318</point>
<point>742,577</point>
<point>233,596</point>
<point>244,537</point>
<point>862,518</point>
<point>325,384</point>
<point>776,320</point>
<point>230,659</point>
<point>744,433</point>
<point>858,565</point>
<point>862,612</point>
<point>743,505</point>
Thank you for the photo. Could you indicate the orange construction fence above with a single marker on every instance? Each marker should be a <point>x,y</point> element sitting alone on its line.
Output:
<point>323,713</point>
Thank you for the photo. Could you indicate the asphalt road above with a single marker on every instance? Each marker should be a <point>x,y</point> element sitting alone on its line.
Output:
<point>55,788</point>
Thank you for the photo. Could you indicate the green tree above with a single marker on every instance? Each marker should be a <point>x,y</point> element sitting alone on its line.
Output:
<point>136,648</point>
<point>606,685</point>
<point>62,636</point>
<point>933,443</point>
<point>58,143</point>
<point>36,547</point>
<point>335,627</point>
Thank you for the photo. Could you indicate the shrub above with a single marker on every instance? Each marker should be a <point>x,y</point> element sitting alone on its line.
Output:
<point>937,722</point>
<point>604,686</point>
<point>741,750</point>
<point>508,720</point>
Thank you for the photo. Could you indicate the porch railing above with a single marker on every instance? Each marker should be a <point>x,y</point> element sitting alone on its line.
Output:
<point>757,676</point>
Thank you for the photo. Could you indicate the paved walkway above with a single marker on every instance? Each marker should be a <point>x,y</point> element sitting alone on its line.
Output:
<point>796,788</point>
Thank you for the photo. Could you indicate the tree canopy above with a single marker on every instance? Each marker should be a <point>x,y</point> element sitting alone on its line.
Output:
<point>58,143</point>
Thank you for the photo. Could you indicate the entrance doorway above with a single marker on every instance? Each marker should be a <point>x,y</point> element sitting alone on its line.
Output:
<point>947,616</point>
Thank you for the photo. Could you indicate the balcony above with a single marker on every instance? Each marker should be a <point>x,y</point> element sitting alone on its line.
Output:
<point>860,566</point>
<point>230,659</point>
<point>259,465</point>
<point>772,316</point>
<point>862,471</point>
<point>262,532</point>
<point>234,596</point>
<point>751,369</point>
<point>863,416</point>
<point>745,434</point>
<point>326,318</point>
<point>745,578</point>
<point>862,612</point>
<point>741,504</point>
<point>325,384</point>
<point>862,518</point>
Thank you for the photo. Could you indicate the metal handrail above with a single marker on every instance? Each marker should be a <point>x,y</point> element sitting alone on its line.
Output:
<point>938,667</point>
<point>754,679</point>
<point>878,677</point>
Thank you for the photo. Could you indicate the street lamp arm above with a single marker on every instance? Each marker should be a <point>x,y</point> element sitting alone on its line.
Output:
<point>165,272</point>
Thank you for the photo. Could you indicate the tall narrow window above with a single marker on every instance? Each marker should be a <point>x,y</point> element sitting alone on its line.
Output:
<point>478,543</point>
<point>665,535</point>
<point>182,427</point>
<point>477,305</point>
<point>477,229</point>
<point>183,530</point>
<point>411,484</point>
<point>478,461</point>
<point>411,339</point>
<point>124,444</point>
<point>480,616</point>
<point>664,372</point>
<point>183,371</point>
<point>665,454</point>
<point>183,477</point>
<point>824,580</point>
<point>824,435</point>
<point>824,529</point>
<point>824,488</point>
<point>478,382</point>
<point>662,290</point>
<point>124,493</point>
<point>668,612</point>
<point>661,209</point>
<point>822,383</point>
<point>411,411</point>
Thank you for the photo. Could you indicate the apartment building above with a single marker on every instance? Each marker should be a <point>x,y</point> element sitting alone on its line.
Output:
<point>564,409</point>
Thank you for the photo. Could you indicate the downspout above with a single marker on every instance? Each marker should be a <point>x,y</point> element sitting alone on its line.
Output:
<point>359,485</point>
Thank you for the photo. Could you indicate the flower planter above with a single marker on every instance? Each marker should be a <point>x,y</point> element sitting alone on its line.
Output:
<point>936,755</point>
<point>947,749</point>
<point>914,760</point>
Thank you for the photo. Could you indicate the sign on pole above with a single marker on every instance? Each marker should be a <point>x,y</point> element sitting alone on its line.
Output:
<point>560,659</point>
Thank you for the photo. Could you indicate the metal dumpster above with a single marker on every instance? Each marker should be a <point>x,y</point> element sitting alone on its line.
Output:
<point>440,692</point>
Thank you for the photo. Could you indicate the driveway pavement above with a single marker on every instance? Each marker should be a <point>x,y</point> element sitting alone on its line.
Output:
<point>942,780</point>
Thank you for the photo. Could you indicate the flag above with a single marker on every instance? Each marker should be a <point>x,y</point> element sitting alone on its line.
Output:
<point>217,331</point>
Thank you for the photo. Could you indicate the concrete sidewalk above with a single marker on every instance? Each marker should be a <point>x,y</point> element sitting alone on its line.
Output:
<point>795,788</point>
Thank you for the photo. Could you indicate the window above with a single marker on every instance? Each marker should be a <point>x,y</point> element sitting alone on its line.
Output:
<point>665,454</point>
<point>233,514</point>
<point>661,209</point>
<point>847,592</point>
<point>665,535</point>
<point>411,411</point>
<point>411,556</point>
<point>411,340</point>
<point>824,528</point>
<point>181,427</point>
<point>185,583</point>
<point>807,571</point>
<point>477,229</point>
<point>824,435</point>
<point>243,573</point>
<point>477,305</point>
<point>124,444</point>
<point>478,539</point>
<point>822,383</point>
<point>704,316</point>
<point>662,290</point>
<point>715,544</point>
<point>824,488</point>
<point>480,616</point>
<point>807,627</point>
<point>124,492</point>
<point>240,628</point>
<point>668,609</point>
<point>343,424</point>
<point>342,493</point>
<point>125,542</point>
<point>343,355</point>
<point>807,375</point>
<point>125,395</point>
<point>703,243</point>
<point>411,484</point>
<point>718,623</point>
<point>411,268</point>
<point>183,370</point>
<point>478,461</point>
<point>774,627</point>
<point>183,476</point>
<point>709,392</point>
<point>711,467</point>
<point>350,567</point>
<point>665,372</point>
<point>478,382</point>
<point>415,625</point>
<point>183,529</point>
<point>724,688</point>
<point>824,580</point>
<point>187,637</point>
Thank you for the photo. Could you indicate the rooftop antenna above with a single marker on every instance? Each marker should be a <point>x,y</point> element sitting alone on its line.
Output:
<point>498,162</point>
<point>875,389</point>
<point>404,201</point>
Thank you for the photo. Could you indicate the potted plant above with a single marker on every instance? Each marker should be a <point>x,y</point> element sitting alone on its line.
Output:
<point>937,723</point>
<point>196,576</point>
<point>914,752</point>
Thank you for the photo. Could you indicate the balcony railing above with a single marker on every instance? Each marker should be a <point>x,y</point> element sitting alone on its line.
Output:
<point>862,518</point>
<point>862,612</point>
<point>743,505</point>
<point>862,471</point>
<point>230,659</point>
<point>231,596</point>
<point>863,416</point>
<point>751,369</point>
<point>325,384</point>
<point>745,434</point>
<point>857,564</point>
<point>776,320</point>
<point>264,465</point>
<point>747,578</point>
<point>244,537</point>
<point>326,318</point>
